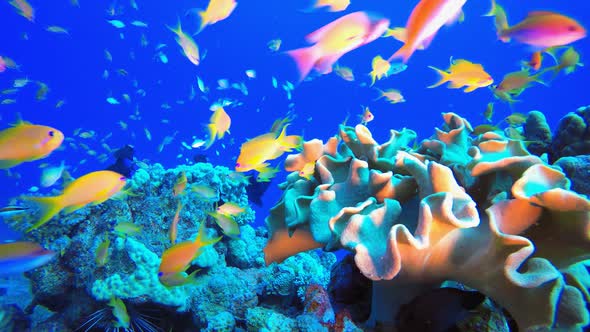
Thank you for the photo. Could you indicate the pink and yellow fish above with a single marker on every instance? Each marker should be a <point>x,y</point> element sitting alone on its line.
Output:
<point>216,11</point>
<point>24,9</point>
<point>540,29</point>
<point>189,47</point>
<point>18,257</point>
<point>425,20</point>
<point>334,40</point>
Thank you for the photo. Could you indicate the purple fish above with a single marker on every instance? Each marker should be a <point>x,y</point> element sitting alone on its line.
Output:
<point>18,257</point>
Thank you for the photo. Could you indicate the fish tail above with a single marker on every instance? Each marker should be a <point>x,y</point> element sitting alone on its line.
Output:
<point>373,77</point>
<point>555,69</point>
<point>202,239</point>
<point>204,21</point>
<point>492,11</point>
<point>444,77</point>
<point>177,29</point>
<point>287,143</point>
<point>212,133</point>
<point>49,206</point>
<point>500,21</point>
<point>537,78</point>
<point>404,53</point>
<point>305,59</point>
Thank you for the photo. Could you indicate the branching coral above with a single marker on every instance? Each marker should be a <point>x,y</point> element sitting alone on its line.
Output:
<point>421,220</point>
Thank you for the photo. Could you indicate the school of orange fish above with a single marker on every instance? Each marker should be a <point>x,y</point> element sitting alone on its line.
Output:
<point>546,33</point>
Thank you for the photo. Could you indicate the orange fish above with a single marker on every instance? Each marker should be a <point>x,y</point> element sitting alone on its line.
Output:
<point>542,30</point>
<point>176,259</point>
<point>400,34</point>
<point>174,226</point>
<point>18,257</point>
<point>535,62</point>
<point>255,152</point>
<point>216,11</point>
<point>27,142</point>
<point>218,126</point>
<point>24,9</point>
<point>334,40</point>
<point>463,73</point>
<point>517,81</point>
<point>380,69</point>
<point>425,20</point>
<point>331,5</point>
<point>92,188</point>
<point>180,184</point>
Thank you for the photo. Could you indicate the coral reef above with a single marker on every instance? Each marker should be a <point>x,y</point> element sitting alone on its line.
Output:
<point>572,137</point>
<point>481,211</point>
<point>232,290</point>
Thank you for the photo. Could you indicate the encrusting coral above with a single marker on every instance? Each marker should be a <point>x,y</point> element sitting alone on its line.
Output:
<point>230,289</point>
<point>481,211</point>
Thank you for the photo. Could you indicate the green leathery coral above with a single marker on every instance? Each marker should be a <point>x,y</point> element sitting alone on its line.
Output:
<point>433,226</point>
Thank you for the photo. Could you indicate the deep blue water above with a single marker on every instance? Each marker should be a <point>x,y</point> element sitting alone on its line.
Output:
<point>72,66</point>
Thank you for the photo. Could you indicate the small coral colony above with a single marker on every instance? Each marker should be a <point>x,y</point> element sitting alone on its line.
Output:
<point>470,204</point>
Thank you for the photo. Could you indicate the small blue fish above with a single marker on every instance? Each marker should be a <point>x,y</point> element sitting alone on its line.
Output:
<point>18,257</point>
<point>10,211</point>
<point>116,23</point>
<point>112,101</point>
<point>139,24</point>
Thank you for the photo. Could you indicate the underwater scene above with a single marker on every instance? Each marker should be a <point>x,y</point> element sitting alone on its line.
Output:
<point>294,165</point>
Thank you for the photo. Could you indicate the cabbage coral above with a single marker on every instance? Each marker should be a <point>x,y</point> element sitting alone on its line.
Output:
<point>478,210</point>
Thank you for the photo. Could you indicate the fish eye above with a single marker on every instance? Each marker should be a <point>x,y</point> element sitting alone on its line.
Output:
<point>572,28</point>
<point>122,178</point>
<point>51,133</point>
<point>160,274</point>
<point>238,165</point>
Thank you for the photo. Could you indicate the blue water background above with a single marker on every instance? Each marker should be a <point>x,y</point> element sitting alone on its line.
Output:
<point>72,66</point>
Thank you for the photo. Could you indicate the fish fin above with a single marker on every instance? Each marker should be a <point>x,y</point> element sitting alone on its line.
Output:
<point>325,64</point>
<point>426,42</point>
<point>470,88</point>
<point>49,206</point>
<point>444,77</point>
<point>212,133</point>
<point>6,164</point>
<point>373,76</point>
<point>73,208</point>
<point>178,29</point>
<point>404,53</point>
<point>305,59</point>
<point>454,85</point>
<point>552,51</point>
<point>492,11</point>
<point>203,20</point>
<point>319,34</point>
<point>202,239</point>
<point>459,16</point>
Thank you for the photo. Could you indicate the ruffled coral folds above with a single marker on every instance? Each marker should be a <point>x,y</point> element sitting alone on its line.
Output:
<point>414,218</point>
